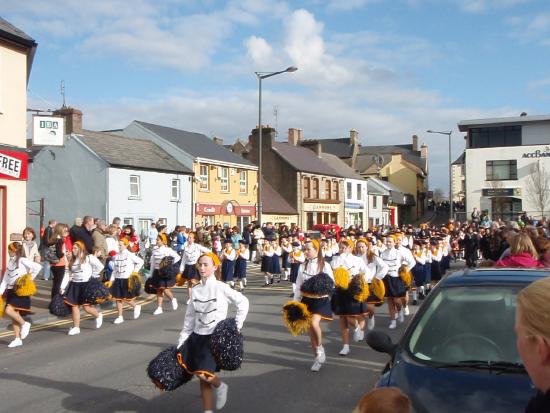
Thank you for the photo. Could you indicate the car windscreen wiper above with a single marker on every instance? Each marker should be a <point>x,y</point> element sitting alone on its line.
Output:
<point>491,366</point>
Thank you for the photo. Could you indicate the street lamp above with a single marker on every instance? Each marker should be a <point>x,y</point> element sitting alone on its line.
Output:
<point>261,76</point>
<point>448,133</point>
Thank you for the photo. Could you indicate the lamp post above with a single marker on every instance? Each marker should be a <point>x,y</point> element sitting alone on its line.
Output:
<point>448,133</point>
<point>261,76</point>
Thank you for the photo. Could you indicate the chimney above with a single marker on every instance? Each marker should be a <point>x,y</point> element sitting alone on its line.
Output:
<point>424,151</point>
<point>218,141</point>
<point>415,143</point>
<point>73,119</point>
<point>353,137</point>
<point>294,136</point>
<point>268,137</point>
<point>318,149</point>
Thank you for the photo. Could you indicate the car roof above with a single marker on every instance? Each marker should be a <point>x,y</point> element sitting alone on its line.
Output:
<point>478,276</point>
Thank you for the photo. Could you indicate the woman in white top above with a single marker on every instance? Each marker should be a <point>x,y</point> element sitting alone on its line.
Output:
<point>318,306</point>
<point>81,267</point>
<point>209,305</point>
<point>375,268</point>
<point>17,306</point>
<point>162,283</point>
<point>124,264</point>
<point>395,288</point>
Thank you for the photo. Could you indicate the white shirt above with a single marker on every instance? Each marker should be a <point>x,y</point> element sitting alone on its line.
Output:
<point>243,254</point>
<point>407,256</point>
<point>112,244</point>
<point>297,256</point>
<point>124,264</point>
<point>377,268</point>
<point>393,259</point>
<point>16,270</point>
<point>231,255</point>
<point>307,270</point>
<point>159,253</point>
<point>191,254</point>
<point>354,265</point>
<point>81,272</point>
<point>209,304</point>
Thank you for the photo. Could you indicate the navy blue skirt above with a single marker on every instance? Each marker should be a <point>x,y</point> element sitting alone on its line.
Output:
<point>161,283</point>
<point>285,260</point>
<point>276,264</point>
<point>343,304</point>
<point>21,304</point>
<point>74,295</point>
<point>120,291</point>
<point>394,287</point>
<point>436,270</point>
<point>419,274</point>
<point>428,270</point>
<point>228,267</point>
<point>319,306</point>
<point>240,268</point>
<point>294,267</point>
<point>196,357</point>
<point>267,264</point>
<point>190,272</point>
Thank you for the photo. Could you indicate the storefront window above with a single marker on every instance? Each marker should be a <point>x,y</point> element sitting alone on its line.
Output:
<point>307,188</point>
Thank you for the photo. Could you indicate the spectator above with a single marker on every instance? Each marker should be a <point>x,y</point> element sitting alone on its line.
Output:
<point>153,234</point>
<point>59,242</point>
<point>522,253</point>
<point>384,400</point>
<point>83,232</point>
<point>543,248</point>
<point>48,232</point>
<point>99,234</point>
<point>30,248</point>
<point>116,221</point>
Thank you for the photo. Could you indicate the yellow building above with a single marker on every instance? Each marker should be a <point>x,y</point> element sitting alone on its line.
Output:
<point>16,55</point>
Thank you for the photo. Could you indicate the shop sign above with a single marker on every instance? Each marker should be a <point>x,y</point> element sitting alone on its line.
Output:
<point>354,205</point>
<point>322,207</point>
<point>501,192</point>
<point>538,153</point>
<point>245,210</point>
<point>207,209</point>
<point>13,165</point>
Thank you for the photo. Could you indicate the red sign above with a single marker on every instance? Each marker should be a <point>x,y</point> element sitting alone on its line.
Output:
<point>245,210</point>
<point>207,209</point>
<point>14,165</point>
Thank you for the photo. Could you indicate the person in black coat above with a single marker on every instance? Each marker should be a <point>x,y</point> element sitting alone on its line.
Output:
<point>470,243</point>
<point>84,233</point>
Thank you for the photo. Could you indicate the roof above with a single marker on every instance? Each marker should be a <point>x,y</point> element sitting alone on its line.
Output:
<point>341,147</point>
<point>396,193</point>
<point>274,203</point>
<point>374,188</point>
<point>340,166</point>
<point>460,160</point>
<point>464,125</point>
<point>303,159</point>
<point>195,144</point>
<point>9,31</point>
<point>406,152</point>
<point>123,152</point>
<point>481,276</point>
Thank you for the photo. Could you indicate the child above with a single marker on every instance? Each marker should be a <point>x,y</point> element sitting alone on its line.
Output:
<point>217,246</point>
<point>228,262</point>
<point>276,260</point>
<point>287,249</point>
<point>267,263</point>
<point>243,255</point>
<point>297,258</point>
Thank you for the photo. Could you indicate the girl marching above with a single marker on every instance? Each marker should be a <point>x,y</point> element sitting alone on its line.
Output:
<point>297,258</point>
<point>418,272</point>
<point>16,305</point>
<point>395,288</point>
<point>160,283</point>
<point>190,255</point>
<point>286,248</point>
<point>125,263</point>
<point>243,255</point>
<point>75,281</point>
<point>267,262</point>
<point>228,262</point>
<point>276,260</point>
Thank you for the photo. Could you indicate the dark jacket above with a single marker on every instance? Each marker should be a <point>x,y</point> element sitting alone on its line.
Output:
<point>539,404</point>
<point>82,234</point>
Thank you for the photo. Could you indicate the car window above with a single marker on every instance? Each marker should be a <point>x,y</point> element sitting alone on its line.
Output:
<point>467,323</point>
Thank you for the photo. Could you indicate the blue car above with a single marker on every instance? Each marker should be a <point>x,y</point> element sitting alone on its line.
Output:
<point>459,353</point>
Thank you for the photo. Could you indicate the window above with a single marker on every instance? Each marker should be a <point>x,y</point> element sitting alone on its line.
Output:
<point>307,188</point>
<point>128,221</point>
<point>495,136</point>
<point>335,191</point>
<point>316,188</point>
<point>175,190</point>
<point>203,177</point>
<point>224,179</point>
<point>143,227</point>
<point>348,190</point>
<point>243,182</point>
<point>162,221</point>
<point>328,189</point>
<point>501,170</point>
<point>359,192</point>
<point>134,186</point>
<point>374,202</point>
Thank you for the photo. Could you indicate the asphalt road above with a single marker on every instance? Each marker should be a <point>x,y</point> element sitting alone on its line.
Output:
<point>104,370</point>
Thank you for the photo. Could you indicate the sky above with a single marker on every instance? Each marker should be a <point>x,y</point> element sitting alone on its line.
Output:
<point>389,69</point>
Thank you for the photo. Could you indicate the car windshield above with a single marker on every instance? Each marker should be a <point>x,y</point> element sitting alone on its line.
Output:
<point>467,323</point>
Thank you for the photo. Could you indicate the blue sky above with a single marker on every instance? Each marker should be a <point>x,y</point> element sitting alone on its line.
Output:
<point>387,68</point>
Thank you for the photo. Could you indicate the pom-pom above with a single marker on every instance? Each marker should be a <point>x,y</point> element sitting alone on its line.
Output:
<point>320,284</point>
<point>165,371</point>
<point>108,284</point>
<point>150,286</point>
<point>378,289</point>
<point>180,280</point>
<point>134,284</point>
<point>358,288</point>
<point>167,268</point>
<point>341,278</point>
<point>226,345</point>
<point>2,306</point>
<point>297,317</point>
<point>95,292</point>
<point>58,307</point>
<point>25,286</point>
<point>405,275</point>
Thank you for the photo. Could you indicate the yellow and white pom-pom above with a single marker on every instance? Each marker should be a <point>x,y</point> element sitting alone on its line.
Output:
<point>2,306</point>
<point>297,317</point>
<point>341,278</point>
<point>180,280</point>
<point>133,280</point>
<point>25,286</point>
<point>405,275</point>
<point>362,288</point>
<point>378,288</point>
<point>108,284</point>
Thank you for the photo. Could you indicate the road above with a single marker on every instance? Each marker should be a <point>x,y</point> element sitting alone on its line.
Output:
<point>104,370</point>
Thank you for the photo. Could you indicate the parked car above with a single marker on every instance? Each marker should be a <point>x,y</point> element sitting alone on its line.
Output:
<point>458,353</point>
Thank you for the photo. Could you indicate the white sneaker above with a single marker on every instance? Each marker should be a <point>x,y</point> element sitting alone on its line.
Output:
<point>99,320</point>
<point>321,356</point>
<point>15,343</point>
<point>358,334</point>
<point>25,329</point>
<point>406,310</point>
<point>345,350</point>
<point>174,303</point>
<point>158,311</point>
<point>137,311</point>
<point>316,366</point>
<point>396,315</point>
<point>221,395</point>
<point>401,316</point>
<point>188,301</point>
<point>370,323</point>
<point>74,331</point>
<point>119,320</point>
<point>393,325</point>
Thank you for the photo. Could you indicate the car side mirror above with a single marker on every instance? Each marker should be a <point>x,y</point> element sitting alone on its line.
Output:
<point>381,342</point>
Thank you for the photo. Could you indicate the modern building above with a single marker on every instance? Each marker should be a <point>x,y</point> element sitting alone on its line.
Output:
<point>17,51</point>
<point>108,176</point>
<point>225,185</point>
<point>507,164</point>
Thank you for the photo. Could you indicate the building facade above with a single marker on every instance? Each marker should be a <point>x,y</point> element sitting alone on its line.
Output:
<point>507,164</point>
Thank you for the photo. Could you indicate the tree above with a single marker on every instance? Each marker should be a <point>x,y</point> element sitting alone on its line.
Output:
<point>538,187</point>
<point>438,195</point>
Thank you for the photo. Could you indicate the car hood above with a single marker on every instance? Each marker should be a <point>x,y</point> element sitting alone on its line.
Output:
<point>434,390</point>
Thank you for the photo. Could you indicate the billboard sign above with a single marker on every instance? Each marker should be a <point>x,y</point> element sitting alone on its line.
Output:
<point>48,131</point>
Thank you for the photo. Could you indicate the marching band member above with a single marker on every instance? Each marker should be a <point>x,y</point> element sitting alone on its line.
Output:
<point>16,305</point>
<point>297,258</point>
<point>190,255</point>
<point>395,288</point>
<point>228,262</point>
<point>267,262</point>
<point>409,261</point>
<point>243,255</point>
<point>418,271</point>
<point>163,285</point>
<point>276,260</point>
<point>286,248</point>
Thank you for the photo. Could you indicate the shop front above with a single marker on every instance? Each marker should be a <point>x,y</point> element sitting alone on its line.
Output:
<point>321,213</point>
<point>355,214</point>
<point>503,203</point>
<point>281,219</point>
<point>228,213</point>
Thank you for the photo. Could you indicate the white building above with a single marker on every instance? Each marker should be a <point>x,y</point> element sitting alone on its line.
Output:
<point>379,210</point>
<point>500,160</point>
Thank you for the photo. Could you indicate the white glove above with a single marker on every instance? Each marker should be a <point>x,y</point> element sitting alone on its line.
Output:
<point>61,291</point>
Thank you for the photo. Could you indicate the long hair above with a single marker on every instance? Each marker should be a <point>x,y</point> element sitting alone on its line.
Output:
<point>17,249</point>
<point>533,303</point>
<point>522,243</point>
<point>320,258</point>
<point>82,254</point>
<point>57,232</point>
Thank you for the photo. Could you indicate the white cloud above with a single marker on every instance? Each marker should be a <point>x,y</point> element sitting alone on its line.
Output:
<point>348,5</point>
<point>533,29</point>
<point>259,50</point>
<point>478,6</point>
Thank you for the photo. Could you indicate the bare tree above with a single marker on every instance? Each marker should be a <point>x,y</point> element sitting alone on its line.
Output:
<point>438,195</point>
<point>538,187</point>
